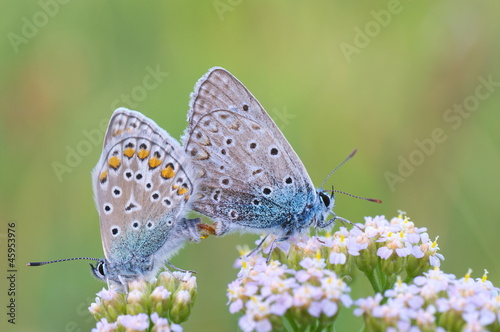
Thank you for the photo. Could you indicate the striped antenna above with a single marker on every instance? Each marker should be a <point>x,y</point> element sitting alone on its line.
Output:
<point>336,168</point>
<point>61,260</point>
<point>375,200</point>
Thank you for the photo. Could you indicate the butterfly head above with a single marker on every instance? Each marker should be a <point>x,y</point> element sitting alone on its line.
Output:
<point>120,273</point>
<point>327,200</point>
<point>100,270</point>
<point>324,205</point>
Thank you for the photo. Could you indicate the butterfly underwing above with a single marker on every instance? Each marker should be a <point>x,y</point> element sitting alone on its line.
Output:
<point>143,186</point>
<point>251,179</point>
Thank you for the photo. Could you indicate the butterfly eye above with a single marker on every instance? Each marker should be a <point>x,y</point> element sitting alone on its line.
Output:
<point>325,199</point>
<point>99,270</point>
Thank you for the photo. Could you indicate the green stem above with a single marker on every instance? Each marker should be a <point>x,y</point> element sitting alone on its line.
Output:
<point>374,281</point>
<point>330,328</point>
<point>291,322</point>
<point>382,279</point>
<point>319,328</point>
<point>389,282</point>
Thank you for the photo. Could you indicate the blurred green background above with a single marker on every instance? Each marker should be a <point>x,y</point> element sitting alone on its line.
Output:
<point>335,75</point>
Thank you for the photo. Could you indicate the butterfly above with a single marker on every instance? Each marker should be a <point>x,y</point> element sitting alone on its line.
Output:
<point>143,185</point>
<point>251,179</point>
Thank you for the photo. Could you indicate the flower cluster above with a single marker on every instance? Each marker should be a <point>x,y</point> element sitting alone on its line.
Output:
<point>148,306</point>
<point>301,283</point>
<point>434,302</point>
<point>270,295</point>
<point>380,248</point>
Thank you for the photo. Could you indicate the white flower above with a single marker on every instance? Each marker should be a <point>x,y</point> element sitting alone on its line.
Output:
<point>182,296</point>
<point>314,267</point>
<point>134,296</point>
<point>162,325</point>
<point>280,303</point>
<point>160,293</point>
<point>95,307</point>
<point>255,318</point>
<point>338,258</point>
<point>329,308</point>
<point>138,322</point>
<point>104,326</point>
<point>366,305</point>
<point>107,295</point>
<point>394,242</point>
<point>304,295</point>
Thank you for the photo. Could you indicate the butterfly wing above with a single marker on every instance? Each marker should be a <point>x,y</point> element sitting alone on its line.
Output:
<point>251,177</point>
<point>142,185</point>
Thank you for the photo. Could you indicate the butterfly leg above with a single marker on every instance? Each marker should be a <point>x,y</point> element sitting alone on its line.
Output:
<point>178,269</point>
<point>258,246</point>
<point>273,246</point>
<point>324,224</point>
<point>317,236</point>
<point>107,281</point>
<point>331,221</point>
<point>124,284</point>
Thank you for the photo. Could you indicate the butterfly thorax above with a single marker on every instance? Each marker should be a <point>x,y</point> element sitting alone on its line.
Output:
<point>313,213</point>
<point>121,273</point>
<point>322,208</point>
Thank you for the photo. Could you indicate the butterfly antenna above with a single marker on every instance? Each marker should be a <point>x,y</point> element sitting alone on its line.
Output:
<point>61,260</point>
<point>336,168</point>
<point>355,196</point>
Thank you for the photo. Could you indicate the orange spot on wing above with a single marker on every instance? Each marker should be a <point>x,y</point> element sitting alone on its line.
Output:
<point>103,176</point>
<point>143,154</point>
<point>129,152</point>
<point>182,190</point>
<point>154,162</point>
<point>114,162</point>
<point>168,172</point>
<point>118,132</point>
